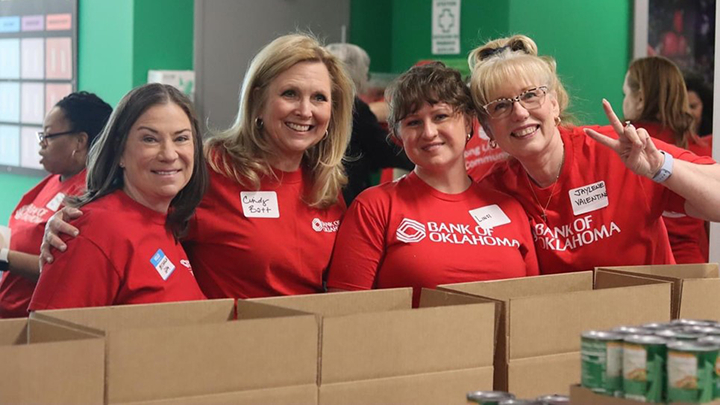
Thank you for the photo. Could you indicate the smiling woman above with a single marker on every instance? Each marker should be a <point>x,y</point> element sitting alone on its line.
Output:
<point>146,175</point>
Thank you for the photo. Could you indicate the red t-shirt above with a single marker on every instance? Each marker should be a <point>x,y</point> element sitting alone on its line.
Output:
<point>246,245</point>
<point>123,255</point>
<point>27,223</point>
<point>407,234</point>
<point>688,235</point>
<point>600,213</point>
<point>480,157</point>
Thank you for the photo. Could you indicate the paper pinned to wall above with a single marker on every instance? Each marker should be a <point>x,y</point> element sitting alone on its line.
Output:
<point>446,27</point>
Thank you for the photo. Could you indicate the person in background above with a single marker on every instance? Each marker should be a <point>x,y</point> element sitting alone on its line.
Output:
<point>146,174</point>
<point>700,98</point>
<point>68,131</point>
<point>267,225</point>
<point>656,100</point>
<point>435,225</point>
<point>369,149</point>
<point>595,195</point>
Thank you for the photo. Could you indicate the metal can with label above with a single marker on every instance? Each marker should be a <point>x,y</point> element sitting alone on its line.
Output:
<point>644,367</point>
<point>691,322</point>
<point>554,399</point>
<point>655,326</point>
<point>679,334</point>
<point>632,330</point>
<point>488,397</point>
<point>520,402</point>
<point>714,340</point>
<point>690,371</point>
<point>601,354</point>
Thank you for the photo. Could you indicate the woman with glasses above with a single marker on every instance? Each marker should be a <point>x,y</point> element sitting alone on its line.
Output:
<point>595,195</point>
<point>435,225</point>
<point>68,131</point>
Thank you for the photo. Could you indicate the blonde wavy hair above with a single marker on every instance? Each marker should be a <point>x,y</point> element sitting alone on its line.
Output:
<point>510,59</point>
<point>242,151</point>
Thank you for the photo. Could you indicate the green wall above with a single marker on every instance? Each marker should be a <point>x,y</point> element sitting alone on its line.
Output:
<point>118,42</point>
<point>590,40</point>
<point>376,41</point>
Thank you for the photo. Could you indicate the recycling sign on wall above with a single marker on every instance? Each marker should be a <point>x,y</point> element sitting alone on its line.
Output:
<point>446,27</point>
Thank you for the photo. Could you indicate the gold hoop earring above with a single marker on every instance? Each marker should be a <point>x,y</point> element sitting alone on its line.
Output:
<point>558,120</point>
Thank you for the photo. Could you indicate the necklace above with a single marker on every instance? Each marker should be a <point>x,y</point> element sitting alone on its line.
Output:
<point>552,191</point>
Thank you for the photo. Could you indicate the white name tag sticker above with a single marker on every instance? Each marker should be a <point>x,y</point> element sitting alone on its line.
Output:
<point>54,204</point>
<point>259,204</point>
<point>490,216</point>
<point>162,264</point>
<point>589,198</point>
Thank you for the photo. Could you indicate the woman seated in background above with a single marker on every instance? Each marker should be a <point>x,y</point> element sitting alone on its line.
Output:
<point>595,195</point>
<point>656,100</point>
<point>68,131</point>
<point>369,149</point>
<point>700,98</point>
<point>435,225</point>
<point>268,222</point>
<point>146,174</point>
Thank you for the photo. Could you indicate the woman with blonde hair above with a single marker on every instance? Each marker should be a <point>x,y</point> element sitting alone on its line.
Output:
<point>595,195</point>
<point>656,100</point>
<point>268,222</point>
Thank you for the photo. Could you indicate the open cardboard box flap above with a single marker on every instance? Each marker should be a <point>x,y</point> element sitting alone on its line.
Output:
<point>696,287</point>
<point>49,364</point>
<point>160,351</point>
<point>374,334</point>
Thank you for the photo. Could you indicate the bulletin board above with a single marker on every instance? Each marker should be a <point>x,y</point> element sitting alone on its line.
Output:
<point>38,67</point>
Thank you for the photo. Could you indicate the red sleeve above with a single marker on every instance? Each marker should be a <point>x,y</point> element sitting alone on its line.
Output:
<point>82,276</point>
<point>672,201</point>
<point>359,249</point>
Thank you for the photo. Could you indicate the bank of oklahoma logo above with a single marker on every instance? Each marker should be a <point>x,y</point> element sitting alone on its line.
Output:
<point>410,231</point>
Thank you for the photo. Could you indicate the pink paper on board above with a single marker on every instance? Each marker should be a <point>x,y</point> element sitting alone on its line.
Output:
<point>32,58</point>
<point>32,103</point>
<point>29,148</point>
<point>58,22</point>
<point>54,93</point>
<point>58,58</point>
<point>33,23</point>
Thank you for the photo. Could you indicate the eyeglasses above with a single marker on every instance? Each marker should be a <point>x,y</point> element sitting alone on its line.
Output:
<point>530,99</point>
<point>42,136</point>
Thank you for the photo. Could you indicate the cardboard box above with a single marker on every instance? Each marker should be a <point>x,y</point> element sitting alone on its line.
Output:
<point>541,319</point>
<point>375,348</point>
<point>696,287</point>
<point>296,395</point>
<point>191,349</point>
<point>42,363</point>
<point>584,396</point>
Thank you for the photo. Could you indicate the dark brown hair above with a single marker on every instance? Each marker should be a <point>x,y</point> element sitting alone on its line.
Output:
<point>104,173</point>
<point>432,83</point>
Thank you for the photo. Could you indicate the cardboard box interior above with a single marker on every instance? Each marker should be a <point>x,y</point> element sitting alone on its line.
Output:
<point>696,287</point>
<point>48,364</point>
<point>186,349</point>
<point>541,319</point>
<point>375,347</point>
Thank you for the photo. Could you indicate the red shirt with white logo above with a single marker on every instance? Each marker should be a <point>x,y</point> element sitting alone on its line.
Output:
<point>123,255</point>
<point>480,157</point>
<point>600,213</point>
<point>27,223</point>
<point>248,244</point>
<point>407,234</point>
<point>688,235</point>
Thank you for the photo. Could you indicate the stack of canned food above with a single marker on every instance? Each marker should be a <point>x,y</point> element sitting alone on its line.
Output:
<point>658,362</point>
<point>506,398</point>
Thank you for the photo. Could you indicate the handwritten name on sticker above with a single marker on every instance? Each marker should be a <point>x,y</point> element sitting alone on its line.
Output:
<point>589,198</point>
<point>162,264</point>
<point>54,204</point>
<point>259,204</point>
<point>490,216</point>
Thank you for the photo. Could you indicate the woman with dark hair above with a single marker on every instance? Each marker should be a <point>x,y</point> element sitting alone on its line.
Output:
<point>146,174</point>
<point>656,100</point>
<point>68,131</point>
<point>435,225</point>
<point>700,100</point>
<point>595,195</point>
